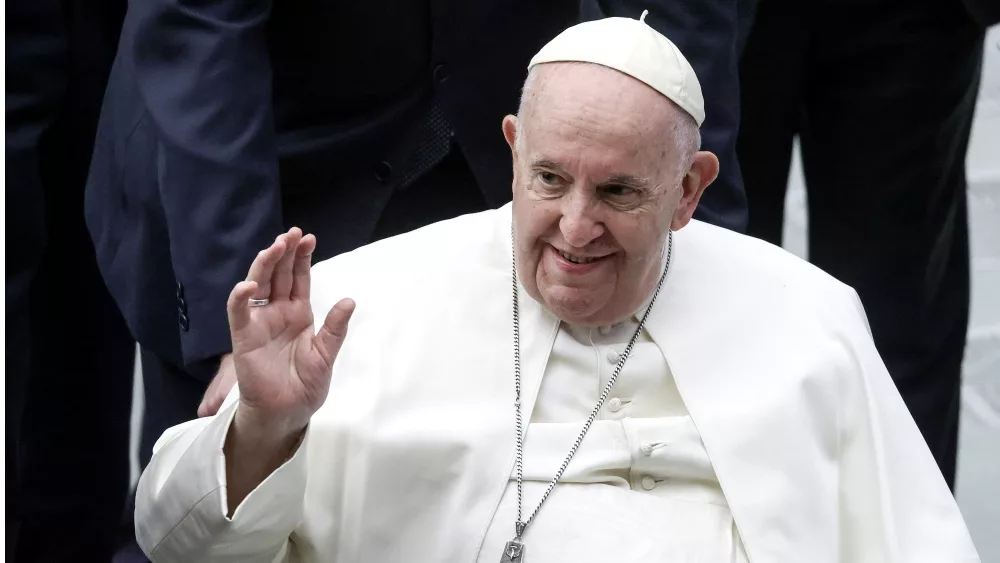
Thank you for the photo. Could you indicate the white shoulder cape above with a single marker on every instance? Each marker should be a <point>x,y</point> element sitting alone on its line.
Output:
<point>407,460</point>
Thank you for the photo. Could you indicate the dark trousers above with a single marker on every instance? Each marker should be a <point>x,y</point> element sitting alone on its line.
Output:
<point>172,393</point>
<point>67,487</point>
<point>881,96</point>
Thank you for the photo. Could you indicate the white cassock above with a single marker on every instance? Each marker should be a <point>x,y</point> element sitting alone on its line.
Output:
<point>754,422</point>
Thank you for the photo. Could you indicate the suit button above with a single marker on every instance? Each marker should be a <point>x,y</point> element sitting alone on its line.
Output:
<point>183,321</point>
<point>383,171</point>
<point>441,73</point>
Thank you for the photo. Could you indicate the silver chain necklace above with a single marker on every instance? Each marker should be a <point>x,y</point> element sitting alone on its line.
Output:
<point>514,550</point>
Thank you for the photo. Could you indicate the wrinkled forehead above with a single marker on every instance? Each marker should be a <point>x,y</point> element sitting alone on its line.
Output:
<point>584,105</point>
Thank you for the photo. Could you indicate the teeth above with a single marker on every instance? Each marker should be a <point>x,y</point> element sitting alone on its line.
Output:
<point>576,259</point>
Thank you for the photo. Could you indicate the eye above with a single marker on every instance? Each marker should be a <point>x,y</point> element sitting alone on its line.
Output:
<point>618,191</point>
<point>549,178</point>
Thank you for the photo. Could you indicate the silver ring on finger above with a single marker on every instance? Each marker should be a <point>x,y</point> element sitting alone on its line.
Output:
<point>259,302</point>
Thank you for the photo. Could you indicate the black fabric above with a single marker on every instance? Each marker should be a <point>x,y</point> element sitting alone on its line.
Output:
<point>883,106</point>
<point>986,12</point>
<point>73,448</point>
<point>68,351</point>
<point>443,192</point>
<point>433,143</point>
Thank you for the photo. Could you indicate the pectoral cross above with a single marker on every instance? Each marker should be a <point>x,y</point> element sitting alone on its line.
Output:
<point>513,552</point>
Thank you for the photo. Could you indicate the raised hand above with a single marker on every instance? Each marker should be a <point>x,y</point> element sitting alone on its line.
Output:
<point>282,365</point>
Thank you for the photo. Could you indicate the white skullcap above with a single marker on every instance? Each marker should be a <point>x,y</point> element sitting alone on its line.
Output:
<point>634,48</point>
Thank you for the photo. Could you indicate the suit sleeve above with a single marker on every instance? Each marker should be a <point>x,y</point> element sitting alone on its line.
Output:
<point>204,73</point>
<point>181,504</point>
<point>895,504</point>
<point>708,33</point>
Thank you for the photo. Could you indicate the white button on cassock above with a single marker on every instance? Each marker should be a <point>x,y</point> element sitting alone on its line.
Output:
<point>648,483</point>
<point>615,404</point>
<point>613,357</point>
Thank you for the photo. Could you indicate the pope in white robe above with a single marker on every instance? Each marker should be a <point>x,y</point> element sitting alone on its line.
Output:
<point>731,402</point>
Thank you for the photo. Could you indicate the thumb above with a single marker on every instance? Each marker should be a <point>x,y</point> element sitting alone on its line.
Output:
<point>219,388</point>
<point>213,399</point>
<point>331,335</point>
<point>210,402</point>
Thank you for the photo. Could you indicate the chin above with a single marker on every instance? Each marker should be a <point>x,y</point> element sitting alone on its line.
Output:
<point>572,305</point>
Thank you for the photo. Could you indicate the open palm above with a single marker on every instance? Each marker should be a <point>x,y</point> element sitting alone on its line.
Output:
<point>282,365</point>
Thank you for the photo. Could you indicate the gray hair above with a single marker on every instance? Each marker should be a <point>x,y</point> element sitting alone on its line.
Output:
<point>684,129</point>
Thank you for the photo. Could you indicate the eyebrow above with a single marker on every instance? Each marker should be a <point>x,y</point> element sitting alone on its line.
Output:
<point>545,163</point>
<point>627,180</point>
<point>617,179</point>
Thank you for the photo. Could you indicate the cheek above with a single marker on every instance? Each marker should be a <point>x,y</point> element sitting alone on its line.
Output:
<point>535,218</point>
<point>638,239</point>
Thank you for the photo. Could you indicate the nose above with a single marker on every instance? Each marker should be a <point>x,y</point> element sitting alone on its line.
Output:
<point>579,225</point>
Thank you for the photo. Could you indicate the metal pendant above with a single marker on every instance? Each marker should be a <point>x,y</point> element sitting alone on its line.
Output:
<point>513,552</point>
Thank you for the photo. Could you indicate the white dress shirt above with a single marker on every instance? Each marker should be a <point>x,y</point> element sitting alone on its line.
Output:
<point>640,488</point>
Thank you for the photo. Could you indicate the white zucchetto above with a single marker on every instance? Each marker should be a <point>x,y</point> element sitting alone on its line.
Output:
<point>634,48</point>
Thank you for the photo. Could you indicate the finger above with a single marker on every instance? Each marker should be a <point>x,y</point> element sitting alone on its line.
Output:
<point>303,263</point>
<point>331,336</point>
<point>263,267</point>
<point>208,406</point>
<point>213,399</point>
<point>238,307</point>
<point>281,281</point>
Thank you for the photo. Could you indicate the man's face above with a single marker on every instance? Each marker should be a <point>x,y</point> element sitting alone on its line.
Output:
<point>598,182</point>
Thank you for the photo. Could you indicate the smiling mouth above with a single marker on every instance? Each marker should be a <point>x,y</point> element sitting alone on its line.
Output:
<point>579,259</point>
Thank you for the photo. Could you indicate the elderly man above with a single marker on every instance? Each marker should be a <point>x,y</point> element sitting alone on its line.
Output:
<point>584,375</point>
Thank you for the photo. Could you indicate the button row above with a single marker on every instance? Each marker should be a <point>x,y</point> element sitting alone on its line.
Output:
<point>613,357</point>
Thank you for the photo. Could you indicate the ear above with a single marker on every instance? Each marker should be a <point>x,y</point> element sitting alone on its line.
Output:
<point>704,170</point>
<point>510,132</point>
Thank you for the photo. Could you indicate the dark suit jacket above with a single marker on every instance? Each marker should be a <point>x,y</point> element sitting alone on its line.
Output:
<point>227,121</point>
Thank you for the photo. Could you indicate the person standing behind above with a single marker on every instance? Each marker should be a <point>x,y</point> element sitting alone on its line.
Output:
<point>881,97</point>
<point>69,354</point>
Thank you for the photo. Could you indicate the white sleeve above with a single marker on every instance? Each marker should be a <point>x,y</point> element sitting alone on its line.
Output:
<point>895,504</point>
<point>181,505</point>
